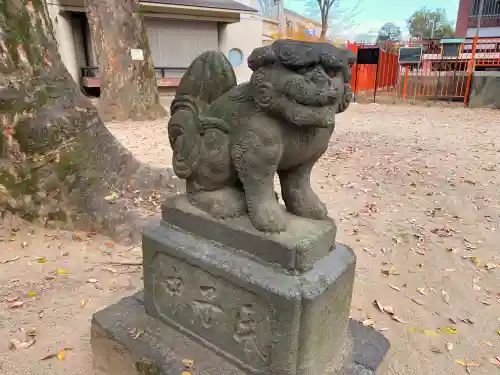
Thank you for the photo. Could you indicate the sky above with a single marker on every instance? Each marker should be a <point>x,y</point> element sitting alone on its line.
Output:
<point>374,13</point>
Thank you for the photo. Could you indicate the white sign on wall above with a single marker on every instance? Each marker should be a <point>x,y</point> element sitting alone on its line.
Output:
<point>137,54</point>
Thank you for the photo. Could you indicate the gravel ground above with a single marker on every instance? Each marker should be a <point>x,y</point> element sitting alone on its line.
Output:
<point>414,190</point>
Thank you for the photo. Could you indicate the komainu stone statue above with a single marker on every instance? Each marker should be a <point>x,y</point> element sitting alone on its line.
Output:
<point>233,299</point>
<point>230,140</point>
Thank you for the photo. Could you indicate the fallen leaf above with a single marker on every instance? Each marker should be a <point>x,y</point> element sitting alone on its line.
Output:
<point>138,334</point>
<point>83,302</point>
<point>29,340</point>
<point>446,297</point>
<point>16,344</point>
<point>186,373</point>
<point>417,301</point>
<point>61,271</point>
<point>431,333</point>
<point>422,291</point>
<point>368,322</point>
<point>475,260</point>
<point>9,260</point>
<point>449,330</point>
<point>32,294</point>
<point>389,310</point>
<point>449,346</point>
<point>16,304</point>
<point>498,331</point>
<point>188,363</point>
<point>378,305</point>
<point>394,287</point>
<point>61,355</point>
<point>467,364</point>
<point>109,243</point>
<point>29,332</point>
<point>49,356</point>
<point>41,260</point>
<point>397,319</point>
<point>412,330</point>
<point>77,236</point>
<point>112,197</point>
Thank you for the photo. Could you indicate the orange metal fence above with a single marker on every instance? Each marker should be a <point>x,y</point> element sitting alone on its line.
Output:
<point>385,74</point>
<point>445,71</point>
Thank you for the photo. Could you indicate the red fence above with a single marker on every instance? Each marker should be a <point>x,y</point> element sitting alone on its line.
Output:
<point>445,71</point>
<point>366,75</point>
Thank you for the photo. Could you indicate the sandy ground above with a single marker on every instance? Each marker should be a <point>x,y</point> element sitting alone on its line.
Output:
<point>415,193</point>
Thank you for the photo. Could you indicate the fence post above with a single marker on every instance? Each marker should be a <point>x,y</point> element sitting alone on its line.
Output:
<point>405,82</point>
<point>471,69</point>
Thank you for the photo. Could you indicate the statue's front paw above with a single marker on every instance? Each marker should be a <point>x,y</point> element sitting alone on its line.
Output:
<point>268,217</point>
<point>307,205</point>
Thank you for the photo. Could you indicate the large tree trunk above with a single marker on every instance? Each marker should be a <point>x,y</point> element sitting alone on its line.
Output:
<point>58,162</point>
<point>128,84</point>
<point>324,27</point>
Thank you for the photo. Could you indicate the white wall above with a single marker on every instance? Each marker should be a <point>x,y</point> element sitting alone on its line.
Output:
<point>245,35</point>
<point>485,32</point>
<point>63,30</point>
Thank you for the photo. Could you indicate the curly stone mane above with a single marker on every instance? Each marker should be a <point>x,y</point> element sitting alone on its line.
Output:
<point>305,83</point>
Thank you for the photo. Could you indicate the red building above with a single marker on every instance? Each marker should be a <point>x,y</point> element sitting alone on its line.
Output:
<point>467,18</point>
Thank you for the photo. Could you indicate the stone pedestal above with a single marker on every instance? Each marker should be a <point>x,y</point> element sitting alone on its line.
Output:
<point>237,301</point>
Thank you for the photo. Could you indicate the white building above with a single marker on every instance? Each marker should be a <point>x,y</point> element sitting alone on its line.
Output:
<point>178,31</point>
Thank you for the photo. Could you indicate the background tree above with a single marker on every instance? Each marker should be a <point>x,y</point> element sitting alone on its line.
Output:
<point>427,23</point>
<point>389,32</point>
<point>58,162</point>
<point>331,15</point>
<point>128,86</point>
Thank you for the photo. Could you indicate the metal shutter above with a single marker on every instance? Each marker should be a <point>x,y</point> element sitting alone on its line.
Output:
<point>176,43</point>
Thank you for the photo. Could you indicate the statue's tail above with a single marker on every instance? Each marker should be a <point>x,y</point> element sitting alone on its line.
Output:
<point>208,77</point>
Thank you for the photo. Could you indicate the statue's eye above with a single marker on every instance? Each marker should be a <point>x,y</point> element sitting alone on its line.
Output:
<point>332,72</point>
<point>174,133</point>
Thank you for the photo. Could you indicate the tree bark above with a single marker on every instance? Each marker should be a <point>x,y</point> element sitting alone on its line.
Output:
<point>128,86</point>
<point>324,22</point>
<point>324,30</point>
<point>58,161</point>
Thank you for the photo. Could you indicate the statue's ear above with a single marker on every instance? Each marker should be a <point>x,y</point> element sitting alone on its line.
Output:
<point>260,57</point>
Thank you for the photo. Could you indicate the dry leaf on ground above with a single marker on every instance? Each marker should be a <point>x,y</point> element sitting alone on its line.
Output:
<point>449,330</point>
<point>422,291</point>
<point>60,355</point>
<point>368,322</point>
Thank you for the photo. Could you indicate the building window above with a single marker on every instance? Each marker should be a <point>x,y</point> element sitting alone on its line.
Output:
<point>235,57</point>
<point>490,8</point>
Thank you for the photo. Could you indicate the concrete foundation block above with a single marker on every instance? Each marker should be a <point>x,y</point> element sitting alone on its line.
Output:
<point>256,315</point>
<point>127,341</point>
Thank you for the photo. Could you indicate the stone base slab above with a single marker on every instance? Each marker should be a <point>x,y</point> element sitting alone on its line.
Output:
<point>126,341</point>
<point>304,242</point>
